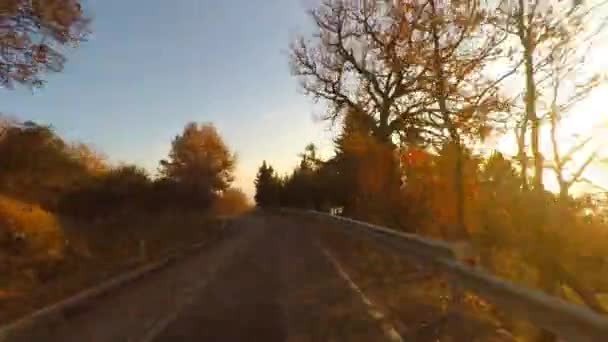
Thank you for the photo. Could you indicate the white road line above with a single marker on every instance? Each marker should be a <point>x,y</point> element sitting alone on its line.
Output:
<point>389,330</point>
<point>187,298</point>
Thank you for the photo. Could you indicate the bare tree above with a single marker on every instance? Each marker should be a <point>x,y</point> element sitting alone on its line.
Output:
<point>465,99</point>
<point>539,29</point>
<point>360,60</point>
<point>565,65</point>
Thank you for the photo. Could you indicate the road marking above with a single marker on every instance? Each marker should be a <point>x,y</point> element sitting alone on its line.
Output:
<point>158,327</point>
<point>187,298</point>
<point>389,330</point>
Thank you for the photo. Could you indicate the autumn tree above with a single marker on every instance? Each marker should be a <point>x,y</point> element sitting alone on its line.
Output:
<point>119,190</point>
<point>199,161</point>
<point>551,40</point>
<point>231,202</point>
<point>33,32</point>
<point>37,165</point>
<point>464,99</point>
<point>417,72</point>
<point>94,161</point>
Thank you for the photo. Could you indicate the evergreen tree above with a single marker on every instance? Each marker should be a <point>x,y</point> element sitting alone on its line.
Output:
<point>267,187</point>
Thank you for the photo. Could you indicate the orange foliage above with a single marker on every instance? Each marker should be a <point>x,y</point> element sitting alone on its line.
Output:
<point>33,231</point>
<point>24,24</point>
<point>376,178</point>
<point>429,190</point>
<point>231,202</point>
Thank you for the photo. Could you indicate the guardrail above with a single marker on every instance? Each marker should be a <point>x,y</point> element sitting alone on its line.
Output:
<point>569,321</point>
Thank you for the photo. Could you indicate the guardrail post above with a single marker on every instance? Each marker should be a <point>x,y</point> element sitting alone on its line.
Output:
<point>142,251</point>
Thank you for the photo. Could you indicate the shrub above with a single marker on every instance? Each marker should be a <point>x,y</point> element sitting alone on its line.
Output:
<point>31,240</point>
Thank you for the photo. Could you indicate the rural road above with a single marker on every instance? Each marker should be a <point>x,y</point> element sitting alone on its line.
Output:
<point>270,281</point>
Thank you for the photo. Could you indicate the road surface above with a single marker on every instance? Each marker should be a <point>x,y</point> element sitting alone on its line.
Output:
<point>272,280</point>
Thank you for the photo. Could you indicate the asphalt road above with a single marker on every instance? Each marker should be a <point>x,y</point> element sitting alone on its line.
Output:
<point>279,287</point>
<point>269,281</point>
<point>272,280</point>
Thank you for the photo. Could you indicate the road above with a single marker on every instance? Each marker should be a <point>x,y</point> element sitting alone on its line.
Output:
<point>279,287</point>
<point>272,280</point>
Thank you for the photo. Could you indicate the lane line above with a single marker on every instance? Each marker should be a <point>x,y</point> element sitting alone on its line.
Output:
<point>389,330</point>
<point>187,296</point>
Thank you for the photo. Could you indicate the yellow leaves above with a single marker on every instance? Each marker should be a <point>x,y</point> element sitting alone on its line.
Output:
<point>61,12</point>
<point>200,156</point>
<point>29,230</point>
<point>58,21</point>
<point>231,202</point>
<point>430,186</point>
<point>93,161</point>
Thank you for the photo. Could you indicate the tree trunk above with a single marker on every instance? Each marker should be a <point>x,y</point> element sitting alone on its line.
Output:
<point>459,190</point>
<point>454,136</point>
<point>525,36</point>
<point>521,155</point>
<point>533,118</point>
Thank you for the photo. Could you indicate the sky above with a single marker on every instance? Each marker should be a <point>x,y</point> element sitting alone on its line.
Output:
<point>151,66</point>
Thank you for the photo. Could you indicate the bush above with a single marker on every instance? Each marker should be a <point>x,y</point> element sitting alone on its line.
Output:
<point>32,230</point>
<point>231,202</point>
<point>31,240</point>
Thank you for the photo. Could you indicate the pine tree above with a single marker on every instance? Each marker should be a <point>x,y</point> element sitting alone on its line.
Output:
<point>267,187</point>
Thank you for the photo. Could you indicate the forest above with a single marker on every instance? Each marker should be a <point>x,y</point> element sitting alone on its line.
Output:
<point>416,92</point>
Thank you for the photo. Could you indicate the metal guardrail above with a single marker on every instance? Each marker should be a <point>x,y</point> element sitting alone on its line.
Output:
<point>569,321</point>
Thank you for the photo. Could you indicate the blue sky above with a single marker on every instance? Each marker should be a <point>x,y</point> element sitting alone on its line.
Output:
<point>151,66</point>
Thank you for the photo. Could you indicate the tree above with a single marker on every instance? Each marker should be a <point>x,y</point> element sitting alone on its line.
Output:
<point>37,165</point>
<point>463,98</point>
<point>356,61</point>
<point>231,202</point>
<point>540,31</point>
<point>564,64</point>
<point>200,160</point>
<point>343,167</point>
<point>92,160</point>
<point>366,176</point>
<point>551,42</point>
<point>120,189</point>
<point>32,33</point>
<point>267,187</point>
<point>418,72</point>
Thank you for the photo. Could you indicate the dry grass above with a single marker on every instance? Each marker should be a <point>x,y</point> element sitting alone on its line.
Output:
<point>96,251</point>
<point>416,298</point>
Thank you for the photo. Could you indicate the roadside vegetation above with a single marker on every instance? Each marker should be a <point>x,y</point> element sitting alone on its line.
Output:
<point>69,218</point>
<point>418,93</point>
